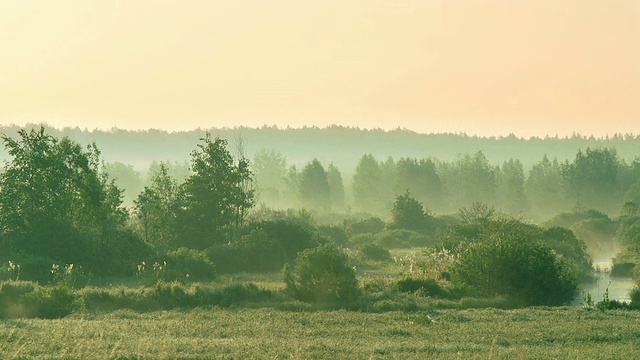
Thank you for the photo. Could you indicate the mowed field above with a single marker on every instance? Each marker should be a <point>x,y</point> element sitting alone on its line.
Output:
<point>267,333</point>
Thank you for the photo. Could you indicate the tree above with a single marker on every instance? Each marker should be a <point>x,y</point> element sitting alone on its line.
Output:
<point>511,186</point>
<point>270,168</point>
<point>408,213</point>
<point>369,186</point>
<point>214,196</point>
<point>526,271</point>
<point>126,178</point>
<point>55,202</point>
<point>156,207</point>
<point>322,274</point>
<point>315,192</point>
<point>419,178</point>
<point>592,179</point>
<point>336,188</point>
<point>544,188</point>
<point>469,179</point>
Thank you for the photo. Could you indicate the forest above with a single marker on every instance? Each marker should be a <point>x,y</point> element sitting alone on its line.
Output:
<point>228,227</point>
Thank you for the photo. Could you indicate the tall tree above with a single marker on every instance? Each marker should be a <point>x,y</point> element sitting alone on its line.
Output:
<point>215,196</point>
<point>270,168</point>
<point>592,179</point>
<point>511,195</point>
<point>418,177</point>
<point>369,186</point>
<point>55,203</point>
<point>334,177</point>
<point>315,192</point>
<point>544,188</point>
<point>156,207</point>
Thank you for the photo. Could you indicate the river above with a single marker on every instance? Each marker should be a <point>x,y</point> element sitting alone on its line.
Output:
<point>619,287</point>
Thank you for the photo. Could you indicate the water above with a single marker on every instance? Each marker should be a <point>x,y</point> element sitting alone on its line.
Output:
<point>619,287</point>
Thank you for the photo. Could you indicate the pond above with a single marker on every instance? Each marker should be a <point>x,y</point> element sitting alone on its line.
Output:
<point>619,287</point>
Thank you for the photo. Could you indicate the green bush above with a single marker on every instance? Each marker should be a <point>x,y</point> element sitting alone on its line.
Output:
<point>254,252</point>
<point>335,234</point>
<point>322,274</point>
<point>400,238</point>
<point>374,252</point>
<point>526,271</point>
<point>10,294</point>
<point>51,302</point>
<point>425,287</point>
<point>182,265</point>
<point>371,225</point>
<point>188,264</point>
<point>34,268</point>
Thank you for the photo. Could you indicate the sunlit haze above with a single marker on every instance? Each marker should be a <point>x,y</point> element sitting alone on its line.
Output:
<point>494,67</point>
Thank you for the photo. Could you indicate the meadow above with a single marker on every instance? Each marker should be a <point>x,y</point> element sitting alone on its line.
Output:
<point>267,333</point>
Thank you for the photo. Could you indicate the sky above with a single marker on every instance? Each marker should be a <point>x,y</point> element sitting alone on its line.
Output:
<point>492,67</point>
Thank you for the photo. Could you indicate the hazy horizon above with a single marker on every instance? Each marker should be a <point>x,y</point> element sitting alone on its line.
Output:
<point>491,68</point>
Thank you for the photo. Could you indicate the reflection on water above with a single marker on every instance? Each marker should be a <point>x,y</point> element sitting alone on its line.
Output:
<point>619,287</point>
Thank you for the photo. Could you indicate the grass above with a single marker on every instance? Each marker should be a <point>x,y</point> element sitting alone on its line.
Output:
<point>265,333</point>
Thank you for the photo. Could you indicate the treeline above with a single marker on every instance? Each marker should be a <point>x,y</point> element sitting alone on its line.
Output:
<point>595,179</point>
<point>341,145</point>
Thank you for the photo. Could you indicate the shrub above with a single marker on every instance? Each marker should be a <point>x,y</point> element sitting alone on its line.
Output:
<point>70,275</point>
<point>33,268</point>
<point>188,264</point>
<point>322,274</point>
<point>181,265</point>
<point>524,270</point>
<point>374,252</point>
<point>426,287</point>
<point>10,294</point>
<point>371,225</point>
<point>399,238</point>
<point>335,234</point>
<point>51,302</point>
<point>255,252</point>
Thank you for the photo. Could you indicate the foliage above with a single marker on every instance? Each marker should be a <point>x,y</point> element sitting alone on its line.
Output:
<point>335,234</point>
<point>314,188</point>
<point>336,187</point>
<point>374,252</point>
<point>181,265</point>
<point>50,302</point>
<point>424,287</point>
<point>254,252</point>
<point>322,274</point>
<point>70,276</point>
<point>76,213</point>
<point>216,197</point>
<point>370,225</point>
<point>156,209</point>
<point>524,270</point>
<point>408,213</point>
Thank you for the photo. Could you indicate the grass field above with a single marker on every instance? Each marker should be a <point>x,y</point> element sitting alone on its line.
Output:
<point>266,333</point>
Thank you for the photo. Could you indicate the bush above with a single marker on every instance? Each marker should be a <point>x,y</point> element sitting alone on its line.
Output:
<point>188,264</point>
<point>335,234</point>
<point>322,274</point>
<point>255,252</point>
<point>526,271</point>
<point>181,265</point>
<point>10,294</point>
<point>371,225</point>
<point>374,252</point>
<point>51,302</point>
<point>34,268</point>
<point>425,287</point>
<point>400,238</point>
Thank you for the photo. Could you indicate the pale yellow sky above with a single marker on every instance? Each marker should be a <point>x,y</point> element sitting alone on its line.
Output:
<point>492,67</point>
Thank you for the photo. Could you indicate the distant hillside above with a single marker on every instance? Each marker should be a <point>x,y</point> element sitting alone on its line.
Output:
<point>341,145</point>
